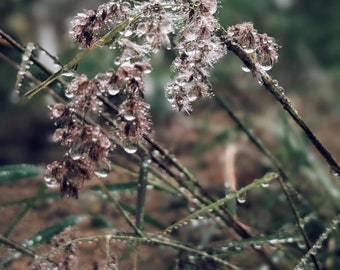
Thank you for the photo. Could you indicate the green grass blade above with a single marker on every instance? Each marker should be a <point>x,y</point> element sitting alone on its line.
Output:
<point>18,172</point>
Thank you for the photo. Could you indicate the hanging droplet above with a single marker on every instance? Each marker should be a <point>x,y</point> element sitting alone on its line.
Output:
<point>266,67</point>
<point>241,198</point>
<point>257,246</point>
<point>301,244</point>
<point>38,238</point>
<point>248,50</point>
<point>103,168</point>
<point>50,182</point>
<point>129,117</point>
<point>147,70</point>
<point>245,69</point>
<point>130,147</point>
<point>68,74</point>
<point>265,185</point>
<point>113,91</point>
<point>334,171</point>
<point>128,33</point>
<point>76,152</point>
<point>69,94</point>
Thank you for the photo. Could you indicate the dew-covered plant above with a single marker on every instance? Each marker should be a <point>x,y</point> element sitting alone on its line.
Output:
<point>97,117</point>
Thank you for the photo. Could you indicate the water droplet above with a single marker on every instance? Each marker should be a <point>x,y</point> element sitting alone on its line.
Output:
<point>265,185</point>
<point>50,182</point>
<point>266,67</point>
<point>290,240</point>
<point>149,187</point>
<point>147,70</point>
<point>248,50</point>
<point>130,147</point>
<point>273,241</point>
<point>128,33</point>
<point>38,238</point>
<point>301,244</point>
<point>241,198</point>
<point>195,222</point>
<point>69,94</point>
<point>68,74</point>
<point>334,171</point>
<point>25,57</point>
<point>103,168</point>
<point>129,117</point>
<point>29,242</point>
<point>245,69</point>
<point>257,246</point>
<point>113,91</point>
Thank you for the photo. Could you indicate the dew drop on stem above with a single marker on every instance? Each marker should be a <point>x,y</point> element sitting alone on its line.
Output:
<point>103,168</point>
<point>68,74</point>
<point>245,69</point>
<point>265,185</point>
<point>241,198</point>
<point>113,91</point>
<point>130,147</point>
<point>129,117</point>
<point>248,50</point>
<point>266,67</point>
<point>69,94</point>
<point>334,171</point>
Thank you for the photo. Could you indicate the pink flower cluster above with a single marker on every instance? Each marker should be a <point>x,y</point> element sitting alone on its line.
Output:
<point>118,94</point>
<point>198,50</point>
<point>262,47</point>
<point>87,155</point>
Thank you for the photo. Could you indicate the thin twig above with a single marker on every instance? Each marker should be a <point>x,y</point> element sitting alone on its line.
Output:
<point>259,144</point>
<point>141,190</point>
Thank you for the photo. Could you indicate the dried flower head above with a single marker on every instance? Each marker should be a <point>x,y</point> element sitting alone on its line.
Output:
<point>86,26</point>
<point>117,96</point>
<point>198,50</point>
<point>262,47</point>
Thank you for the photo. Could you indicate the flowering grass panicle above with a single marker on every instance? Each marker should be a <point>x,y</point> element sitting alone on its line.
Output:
<point>118,94</point>
<point>262,48</point>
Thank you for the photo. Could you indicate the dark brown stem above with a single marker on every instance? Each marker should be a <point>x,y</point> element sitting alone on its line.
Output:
<point>279,95</point>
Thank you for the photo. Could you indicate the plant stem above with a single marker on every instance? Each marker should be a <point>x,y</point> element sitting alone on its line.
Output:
<point>102,41</point>
<point>204,210</point>
<point>277,166</point>
<point>156,240</point>
<point>121,210</point>
<point>279,95</point>
<point>141,191</point>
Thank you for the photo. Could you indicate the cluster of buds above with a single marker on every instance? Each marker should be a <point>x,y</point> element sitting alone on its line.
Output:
<point>88,25</point>
<point>87,155</point>
<point>262,47</point>
<point>198,48</point>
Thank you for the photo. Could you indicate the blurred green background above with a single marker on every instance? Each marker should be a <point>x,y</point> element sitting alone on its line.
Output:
<point>308,67</point>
